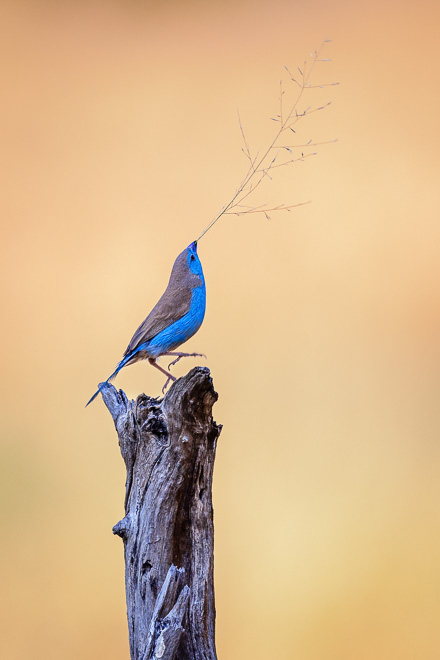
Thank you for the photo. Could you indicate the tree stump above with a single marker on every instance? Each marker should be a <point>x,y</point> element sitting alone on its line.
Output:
<point>168,446</point>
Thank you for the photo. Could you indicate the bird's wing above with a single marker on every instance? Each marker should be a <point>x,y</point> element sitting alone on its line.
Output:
<point>171,307</point>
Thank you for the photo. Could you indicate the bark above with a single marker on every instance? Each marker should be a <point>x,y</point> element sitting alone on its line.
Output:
<point>168,446</point>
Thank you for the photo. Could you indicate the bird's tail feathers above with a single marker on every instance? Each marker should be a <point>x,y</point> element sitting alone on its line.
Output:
<point>121,364</point>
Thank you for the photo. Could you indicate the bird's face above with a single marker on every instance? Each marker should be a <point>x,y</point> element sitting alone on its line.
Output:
<point>193,260</point>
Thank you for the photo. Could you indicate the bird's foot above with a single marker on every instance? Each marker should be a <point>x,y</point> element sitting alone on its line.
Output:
<point>182,355</point>
<point>170,378</point>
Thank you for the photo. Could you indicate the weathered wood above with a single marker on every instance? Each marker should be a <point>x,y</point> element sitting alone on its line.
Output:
<point>169,449</point>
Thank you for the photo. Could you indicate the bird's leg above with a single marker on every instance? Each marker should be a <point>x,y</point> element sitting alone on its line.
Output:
<point>169,376</point>
<point>181,355</point>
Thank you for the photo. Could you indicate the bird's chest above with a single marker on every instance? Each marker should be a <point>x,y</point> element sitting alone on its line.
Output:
<point>185,327</point>
<point>181,330</point>
<point>197,307</point>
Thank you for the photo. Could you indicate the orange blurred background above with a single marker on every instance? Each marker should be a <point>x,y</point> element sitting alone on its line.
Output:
<point>120,142</point>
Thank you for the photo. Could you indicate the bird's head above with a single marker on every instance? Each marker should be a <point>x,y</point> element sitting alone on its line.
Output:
<point>193,260</point>
<point>187,269</point>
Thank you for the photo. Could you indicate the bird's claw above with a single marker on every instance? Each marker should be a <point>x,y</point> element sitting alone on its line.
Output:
<point>174,361</point>
<point>170,378</point>
<point>179,357</point>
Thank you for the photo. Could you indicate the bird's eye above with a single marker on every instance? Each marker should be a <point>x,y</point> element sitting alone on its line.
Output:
<point>193,258</point>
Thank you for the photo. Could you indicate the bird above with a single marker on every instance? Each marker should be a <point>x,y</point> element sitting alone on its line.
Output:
<point>176,317</point>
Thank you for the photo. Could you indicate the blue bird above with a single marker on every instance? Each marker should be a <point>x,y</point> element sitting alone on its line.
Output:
<point>176,317</point>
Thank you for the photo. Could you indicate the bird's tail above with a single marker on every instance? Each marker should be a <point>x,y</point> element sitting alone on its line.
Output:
<point>121,364</point>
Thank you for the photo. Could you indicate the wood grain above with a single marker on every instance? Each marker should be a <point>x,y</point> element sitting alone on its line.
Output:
<point>169,449</point>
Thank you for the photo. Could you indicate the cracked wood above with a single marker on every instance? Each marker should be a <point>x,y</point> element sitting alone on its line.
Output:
<point>168,446</point>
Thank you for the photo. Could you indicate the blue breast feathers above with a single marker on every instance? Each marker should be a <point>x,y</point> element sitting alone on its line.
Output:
<point>181,330</point>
